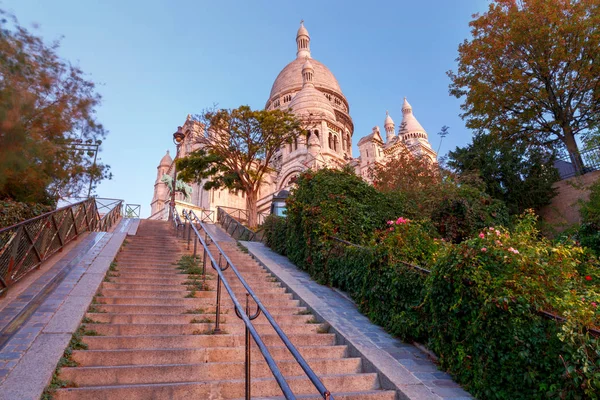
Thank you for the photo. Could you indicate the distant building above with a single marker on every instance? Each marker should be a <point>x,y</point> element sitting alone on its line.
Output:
<point>309,89</point>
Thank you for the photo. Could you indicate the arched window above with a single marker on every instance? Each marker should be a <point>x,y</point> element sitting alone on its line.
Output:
<point>296,144</point>
<point>330,141</point>
<point>335,143</point>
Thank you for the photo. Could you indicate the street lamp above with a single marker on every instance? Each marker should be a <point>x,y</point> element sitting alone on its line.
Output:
<point>177,139</point>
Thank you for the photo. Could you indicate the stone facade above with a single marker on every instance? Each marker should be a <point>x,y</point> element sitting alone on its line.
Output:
<point>307,88</point>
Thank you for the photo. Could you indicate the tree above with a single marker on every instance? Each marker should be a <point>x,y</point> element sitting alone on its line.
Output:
<point>47,111</point>
<point>237,150</point>
<point>531,71</point>
<point>516,172</point>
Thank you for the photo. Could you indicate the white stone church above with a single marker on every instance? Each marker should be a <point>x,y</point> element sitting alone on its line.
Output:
<point>306,87</point>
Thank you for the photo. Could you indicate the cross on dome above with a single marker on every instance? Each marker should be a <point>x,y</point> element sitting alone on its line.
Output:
<point>303,41</point>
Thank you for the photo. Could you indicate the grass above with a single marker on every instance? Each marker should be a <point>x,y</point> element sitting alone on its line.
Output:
<point>205,321</point>
<point>67,361</point>
<point>94,309</point>
<point>195,311</point>
<point>243,248</point>
<point>323,329</point>
<point>210,332</point>
<point>86,332</point>
<point>303,312</point>
<point>113,266</point>
<point>313,320</point>
<point>189,265</point>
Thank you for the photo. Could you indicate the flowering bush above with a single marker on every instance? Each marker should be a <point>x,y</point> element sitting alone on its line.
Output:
<point>484,300</point>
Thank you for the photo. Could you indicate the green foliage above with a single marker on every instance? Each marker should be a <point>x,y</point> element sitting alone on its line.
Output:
<point>238,150</point>
<point>275,233</point>
<point>525,65</point>
<point>514,171</point>
<point>13,212</point>
<point>47,115</point>
<point>332,203</point>
<point>478,310</point>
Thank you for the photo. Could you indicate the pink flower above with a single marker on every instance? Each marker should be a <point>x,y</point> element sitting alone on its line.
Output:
<point>593,303</point>
<point>516,251</point>
<point>401,221</point>
<point>497,232</point>
<point>499,243</point>
<point>491,228</point>
<point>483,249</point>
<point>390,222</point>
<point>391,229</point>
<point>481,235</point>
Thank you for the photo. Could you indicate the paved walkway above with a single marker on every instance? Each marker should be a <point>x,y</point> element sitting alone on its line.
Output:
<point>401,365</point>
<point>37,325</point>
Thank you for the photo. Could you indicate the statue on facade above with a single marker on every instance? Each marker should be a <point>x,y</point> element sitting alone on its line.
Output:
<point>181,186</point>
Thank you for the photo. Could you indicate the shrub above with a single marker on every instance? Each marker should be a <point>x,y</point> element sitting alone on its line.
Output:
<point>13,212</point>
<point>483,301</point>
<point>275,233</point>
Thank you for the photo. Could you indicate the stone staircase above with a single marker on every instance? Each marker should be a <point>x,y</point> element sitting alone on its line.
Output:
<point>152,340</point>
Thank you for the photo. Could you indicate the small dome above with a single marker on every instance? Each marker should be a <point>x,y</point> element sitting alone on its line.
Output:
<point>302,30</point>
<point>311,101</point>
<point>388,120</point>
<point>307,65</point>
<point>166,160</point>
<point>409,122</point>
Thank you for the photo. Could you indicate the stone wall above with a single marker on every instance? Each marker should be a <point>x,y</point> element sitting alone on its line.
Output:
<point>564,209</point>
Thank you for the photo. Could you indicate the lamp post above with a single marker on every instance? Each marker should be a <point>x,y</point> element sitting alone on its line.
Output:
<point>177,139</point>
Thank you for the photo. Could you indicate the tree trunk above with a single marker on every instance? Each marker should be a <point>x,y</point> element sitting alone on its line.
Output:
<point>252,208</point>
<point>573,150</point>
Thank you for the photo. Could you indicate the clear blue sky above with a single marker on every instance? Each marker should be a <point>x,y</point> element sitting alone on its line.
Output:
<point>157,61</point>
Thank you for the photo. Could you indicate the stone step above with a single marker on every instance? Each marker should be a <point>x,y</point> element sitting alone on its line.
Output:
<point>160,309</point>
<point>127,375</point>
<point>232,326</point>
<point>198,341</point>
<point>191,356</point>
<point>363,395</point>
<point>185,318</point>
<point>180,293</point>
<point>193,302</point>
<point>225,389</point>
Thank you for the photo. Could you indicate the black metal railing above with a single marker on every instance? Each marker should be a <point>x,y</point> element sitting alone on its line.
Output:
<point>241,215</point>
<point>578,164</point>
<point>545,314</point>
<point>24,246</point>
<point>237,229</point>
<point>193,224</point>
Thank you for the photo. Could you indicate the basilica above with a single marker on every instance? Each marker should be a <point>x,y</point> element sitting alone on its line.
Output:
<point>307,88</point>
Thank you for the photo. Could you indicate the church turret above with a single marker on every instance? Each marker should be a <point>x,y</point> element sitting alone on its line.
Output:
<point>303,42</point>
<point>307,74</point>
<point>389,127</point>
<point>161,191</point>
<point>411,130</point>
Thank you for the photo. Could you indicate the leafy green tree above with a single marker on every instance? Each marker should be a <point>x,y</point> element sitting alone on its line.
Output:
<point>531,71</point>
<point>237,150</point>
<point>516,172</point>
<point>46,107</point>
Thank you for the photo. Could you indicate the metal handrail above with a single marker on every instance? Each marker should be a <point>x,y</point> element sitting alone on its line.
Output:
<point>26,245</point>
<point>301,361</point>
<point>106,221</point>
<point>226,220</point>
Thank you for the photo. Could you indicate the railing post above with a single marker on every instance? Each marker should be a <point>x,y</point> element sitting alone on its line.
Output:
<point>218,310</point>
<point>248,354</point>
<point>189,225</point>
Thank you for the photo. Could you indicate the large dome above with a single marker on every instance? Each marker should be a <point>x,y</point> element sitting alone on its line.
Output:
<point>291,78</point>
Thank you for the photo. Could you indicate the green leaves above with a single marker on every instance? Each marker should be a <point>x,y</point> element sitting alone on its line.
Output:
<point>530,70</point>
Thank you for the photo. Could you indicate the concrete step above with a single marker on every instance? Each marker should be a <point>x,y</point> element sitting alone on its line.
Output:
<point>226,389</point>
<point>90,358</point>
<point>233,326</point>
<point>185,318</point>
<point>198,341</point>
<point>183,309</point>
<point>127,375</point>
<point>182,292</point>
<point>192,302</point>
